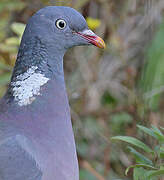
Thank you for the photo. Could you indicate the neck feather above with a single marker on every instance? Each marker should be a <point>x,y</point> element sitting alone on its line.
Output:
<point>35,66</point>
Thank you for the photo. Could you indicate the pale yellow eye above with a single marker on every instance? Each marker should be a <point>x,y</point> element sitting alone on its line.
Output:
<point>60,23</point>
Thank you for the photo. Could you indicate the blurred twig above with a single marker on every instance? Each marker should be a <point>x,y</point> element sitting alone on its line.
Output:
<point>89,168</point>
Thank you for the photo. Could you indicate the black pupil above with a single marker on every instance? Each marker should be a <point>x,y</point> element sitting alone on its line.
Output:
<point>61,24</point>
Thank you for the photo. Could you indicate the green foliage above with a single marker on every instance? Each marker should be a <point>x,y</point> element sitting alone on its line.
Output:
<point>139,157</point>
<point>5,67</point>
<point>18,28</point>
<point>133,141</point>
<point>148,169</point>
<point>119,122</point>
<point>86,175</point>
<point>140,173</point>
<point>10,45</point>
<point>4,79</point>
<point>11,5</point>
<point>152,80</point>
<point>107,99</point>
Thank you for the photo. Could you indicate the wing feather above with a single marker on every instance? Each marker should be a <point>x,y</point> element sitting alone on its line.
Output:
<point>16,162</point>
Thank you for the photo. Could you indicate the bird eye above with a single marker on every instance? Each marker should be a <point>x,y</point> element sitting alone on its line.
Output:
<point>60,23</point>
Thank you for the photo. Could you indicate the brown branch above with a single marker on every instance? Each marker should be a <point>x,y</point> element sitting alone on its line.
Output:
<point>89,168</point>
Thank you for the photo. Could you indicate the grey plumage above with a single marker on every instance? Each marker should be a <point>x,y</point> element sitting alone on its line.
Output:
<point>36,137</point>
<point>14,155</point>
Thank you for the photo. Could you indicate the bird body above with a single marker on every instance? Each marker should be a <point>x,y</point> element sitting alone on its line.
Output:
<point>44,133</point>
<point>36,137</point>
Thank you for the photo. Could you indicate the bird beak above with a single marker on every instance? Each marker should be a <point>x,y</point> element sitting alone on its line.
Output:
<point>92,38</point>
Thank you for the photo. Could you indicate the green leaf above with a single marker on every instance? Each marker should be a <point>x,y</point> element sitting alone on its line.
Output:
<point>140,165</point>
<point>139,157</point>
<point>155,129</point>
<point>147,131</point>
<point>158,133</point>
<point>5,67</point>
<point>161,153</point>
<point>18,28</point>
<point>5,78</point>
<point>152,80</point>
<point>155,173</point>
<point>162,128</point>
<point>134,142</point>
<point>138,173</point>
<point>12,41</point>
<point>8,48</point>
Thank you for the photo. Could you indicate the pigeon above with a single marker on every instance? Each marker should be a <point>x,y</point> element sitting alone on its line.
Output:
<point>36,136</point>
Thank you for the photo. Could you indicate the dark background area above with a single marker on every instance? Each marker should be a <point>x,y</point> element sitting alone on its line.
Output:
<point>111,90</point>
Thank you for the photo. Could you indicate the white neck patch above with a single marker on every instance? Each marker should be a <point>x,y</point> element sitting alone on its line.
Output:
<point>27,86</point>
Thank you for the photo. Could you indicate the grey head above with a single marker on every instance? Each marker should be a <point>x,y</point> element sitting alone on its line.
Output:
<point>62,28</point>
<point>48,35</point>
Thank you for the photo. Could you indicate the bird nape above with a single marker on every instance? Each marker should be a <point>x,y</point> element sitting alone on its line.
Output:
<point>37,141</point>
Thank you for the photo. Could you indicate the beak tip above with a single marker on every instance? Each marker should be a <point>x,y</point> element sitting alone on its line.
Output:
<point>100,43</point>
<point>93,38</point>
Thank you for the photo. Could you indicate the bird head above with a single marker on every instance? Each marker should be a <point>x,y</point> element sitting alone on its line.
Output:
<point>63,27</point>
<point>47,36</point>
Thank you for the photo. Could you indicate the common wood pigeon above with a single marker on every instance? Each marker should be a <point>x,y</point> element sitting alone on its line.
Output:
<point>36,137</point>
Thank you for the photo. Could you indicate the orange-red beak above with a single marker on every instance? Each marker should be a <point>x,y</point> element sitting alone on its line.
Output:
<point>92,38</point>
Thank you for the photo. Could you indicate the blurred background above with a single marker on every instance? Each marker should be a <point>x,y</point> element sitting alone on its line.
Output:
<point>111,90</point>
